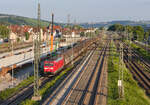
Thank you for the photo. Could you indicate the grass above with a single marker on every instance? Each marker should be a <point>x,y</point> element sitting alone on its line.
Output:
<point>133,94</point>
<point>47,88</point>
<point>10,91</point>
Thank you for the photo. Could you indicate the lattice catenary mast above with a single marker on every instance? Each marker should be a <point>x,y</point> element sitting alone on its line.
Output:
<point>37,42</point>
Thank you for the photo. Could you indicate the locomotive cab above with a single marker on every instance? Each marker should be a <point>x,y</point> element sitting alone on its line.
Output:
<point>53,64</point>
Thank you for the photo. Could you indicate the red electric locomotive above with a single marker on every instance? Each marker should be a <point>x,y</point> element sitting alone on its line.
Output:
<point>53,64</point>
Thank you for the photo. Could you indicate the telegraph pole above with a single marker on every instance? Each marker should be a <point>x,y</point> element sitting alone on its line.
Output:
<point>37,41</point>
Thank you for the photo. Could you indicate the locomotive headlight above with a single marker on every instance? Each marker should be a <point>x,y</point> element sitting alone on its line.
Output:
<point>51,68</point>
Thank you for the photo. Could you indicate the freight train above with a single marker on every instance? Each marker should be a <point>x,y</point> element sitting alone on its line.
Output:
<point>56,61</point>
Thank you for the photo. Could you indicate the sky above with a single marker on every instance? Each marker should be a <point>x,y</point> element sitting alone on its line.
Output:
<point>80,10</point>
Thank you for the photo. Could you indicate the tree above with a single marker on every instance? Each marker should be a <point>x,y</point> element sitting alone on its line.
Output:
<point>129,29</point>
<point>4,32</point>
<point>77,27</point>
<point>138,32</point>
<point>88,34</point>
<point>82,34</point>
<point>27,35</point>
<point>116,27</point>
<point>18,39</point>
<point>101,28</point>
<point>97,32</point>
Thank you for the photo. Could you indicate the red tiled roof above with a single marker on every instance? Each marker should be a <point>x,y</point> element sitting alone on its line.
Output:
<point>19,29</point>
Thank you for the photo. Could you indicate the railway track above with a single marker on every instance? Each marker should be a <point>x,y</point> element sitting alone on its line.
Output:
<point>27,92</point>
<point>136,57</point>
<point>146,47</point>
<point>87,86</point>
<point>136,69</point>
<point>141,59</point>
<point>145,62</point>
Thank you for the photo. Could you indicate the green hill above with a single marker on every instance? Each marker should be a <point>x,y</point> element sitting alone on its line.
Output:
<point>19,20</point>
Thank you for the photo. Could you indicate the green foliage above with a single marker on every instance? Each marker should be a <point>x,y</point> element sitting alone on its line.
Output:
<point>116,27</point>
<point>101,28</point>
<point>8,92</point>
<point>97,32</point>
<point>82,34</point>
<point>4,31</point>
<point>29,102</point>
<point>129,29</point>
<point>27,35</point>
<point>18,39</point>
<point>77,27</point>
<point>16,20</point>
<point>138,32</point>
<point>90,34</point>
<point>146,35</point>
<point>133,94</point>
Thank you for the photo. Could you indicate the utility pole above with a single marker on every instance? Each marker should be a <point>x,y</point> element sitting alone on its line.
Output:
<point>127,33</point>
<point>12,66</point>
<point>68,19</point>
<point>120,81</point>
<point>36,96</point>
<point>39,32</point>
<point>112,46</point>
<point>130,47</point>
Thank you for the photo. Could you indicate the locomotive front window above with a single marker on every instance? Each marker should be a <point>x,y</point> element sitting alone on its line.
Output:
<point>49,64</point>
